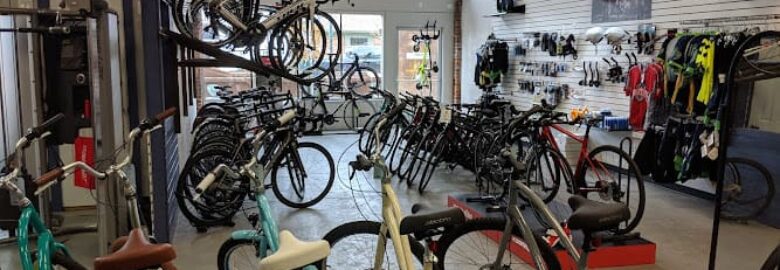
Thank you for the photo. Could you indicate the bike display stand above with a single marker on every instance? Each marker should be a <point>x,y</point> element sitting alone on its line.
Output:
<point>614,253</point>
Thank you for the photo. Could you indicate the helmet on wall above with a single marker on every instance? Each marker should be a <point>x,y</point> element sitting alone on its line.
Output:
<point>594,35</point>
<point>616,35</point>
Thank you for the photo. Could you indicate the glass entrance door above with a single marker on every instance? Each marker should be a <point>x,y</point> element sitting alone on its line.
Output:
<point>418,65</point>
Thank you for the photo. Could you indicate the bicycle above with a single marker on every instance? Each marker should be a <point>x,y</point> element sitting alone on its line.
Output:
<point>355,110</point>
<point>219,139</point>
<point>423,225</point>
<point>361,81</point>
<point>271,248</point>
<point>294,179</point>
<point>588,216</point>
<point>606,171</point>
<point>131,252</point>
<point>427,66</point>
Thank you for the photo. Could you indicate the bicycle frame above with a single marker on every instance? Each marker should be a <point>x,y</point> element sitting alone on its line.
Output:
<point>391,214</point>
<point>547,135</point>
<point>516,218</point>
<point>47,245</point>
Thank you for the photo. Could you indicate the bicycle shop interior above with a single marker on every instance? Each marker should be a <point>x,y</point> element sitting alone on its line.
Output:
<point>405,134</point>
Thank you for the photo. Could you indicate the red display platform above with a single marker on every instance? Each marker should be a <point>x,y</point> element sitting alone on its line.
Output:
<point>627,253</point>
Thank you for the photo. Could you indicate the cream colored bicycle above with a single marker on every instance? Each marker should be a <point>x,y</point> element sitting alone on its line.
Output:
<point>372,244</point>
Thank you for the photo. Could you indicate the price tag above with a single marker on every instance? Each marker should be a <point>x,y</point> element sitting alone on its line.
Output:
<point>446,116</point>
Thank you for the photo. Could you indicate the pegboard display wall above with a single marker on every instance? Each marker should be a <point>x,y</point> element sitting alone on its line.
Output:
<point>565,17</point>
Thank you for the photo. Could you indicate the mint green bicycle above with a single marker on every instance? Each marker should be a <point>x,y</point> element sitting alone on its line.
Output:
<point>264,248</point>
<point>50,252</point>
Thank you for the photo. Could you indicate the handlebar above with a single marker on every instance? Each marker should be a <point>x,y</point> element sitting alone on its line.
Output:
<point>153,122</point>
<point>47,179</point>
<point>37,132</point>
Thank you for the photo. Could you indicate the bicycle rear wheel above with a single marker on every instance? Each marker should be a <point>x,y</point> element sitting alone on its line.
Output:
<point>613,177</point>
<point>304,175</point>
<point>353,246</point>
<point>748,189</point>
<point>474,245</point>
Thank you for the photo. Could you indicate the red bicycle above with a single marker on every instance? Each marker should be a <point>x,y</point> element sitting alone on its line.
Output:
<point>606,173</point>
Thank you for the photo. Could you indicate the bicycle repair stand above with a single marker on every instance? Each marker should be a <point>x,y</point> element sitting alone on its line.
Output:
<point>610,250</point>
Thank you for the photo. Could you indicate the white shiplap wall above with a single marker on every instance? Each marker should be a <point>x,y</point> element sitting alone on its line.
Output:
<point>574,16</point>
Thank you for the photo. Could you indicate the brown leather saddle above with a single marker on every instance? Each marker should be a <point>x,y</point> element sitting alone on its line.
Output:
<point>135,252</point>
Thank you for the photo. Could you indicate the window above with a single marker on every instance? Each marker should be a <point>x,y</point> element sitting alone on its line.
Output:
<point>362,35</point>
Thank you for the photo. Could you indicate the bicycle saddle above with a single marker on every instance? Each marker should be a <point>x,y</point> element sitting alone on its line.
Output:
<point>425,220</point>
<point>137,253</point>
<point>294,253</point>
<point>592,216</point>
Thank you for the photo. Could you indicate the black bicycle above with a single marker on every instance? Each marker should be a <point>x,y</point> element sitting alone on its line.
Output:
<point>361,81</point>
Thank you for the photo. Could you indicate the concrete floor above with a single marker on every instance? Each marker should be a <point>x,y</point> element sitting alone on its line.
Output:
<point>678,223</point>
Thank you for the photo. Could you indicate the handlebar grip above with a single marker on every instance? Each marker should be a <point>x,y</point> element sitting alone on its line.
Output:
<point>165,114</point>
<point>49,177</point>
<point>286,117</point>
<point>205,183</point>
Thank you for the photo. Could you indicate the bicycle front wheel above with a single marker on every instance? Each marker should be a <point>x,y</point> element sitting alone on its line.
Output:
<point>354,246</point>
<point>748,189</point>
<point>363,82</point>
<point>240,254</point>
<point>475,245</point>
<point>610,175</point>
<point>544,172</point>
<point>304,175</point>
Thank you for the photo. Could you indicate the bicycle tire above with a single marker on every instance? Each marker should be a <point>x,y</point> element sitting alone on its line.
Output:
<point>433,159</point>
<point>556,166</point>
<point>494,226</point>
<point>399,142</point>
<point>404,160</point>
<point>753,210</point>
<point>366,137</point>
<point>419,156</point>
<point>208,214</point>
<point>632,169</point>
<point>361,74</point>
<point>356,113</point>
<point>331,176</point>
<point>181,20</point>
<point>228,249</point>
<point>337,235</point>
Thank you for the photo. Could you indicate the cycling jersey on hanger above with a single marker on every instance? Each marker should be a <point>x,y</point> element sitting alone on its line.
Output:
<point>705,60</point>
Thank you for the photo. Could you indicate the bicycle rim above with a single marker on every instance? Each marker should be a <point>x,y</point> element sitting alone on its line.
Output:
<point>748,189</point>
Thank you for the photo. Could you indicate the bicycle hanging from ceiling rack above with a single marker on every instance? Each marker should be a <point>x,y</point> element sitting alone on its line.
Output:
<point>294,40</point>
